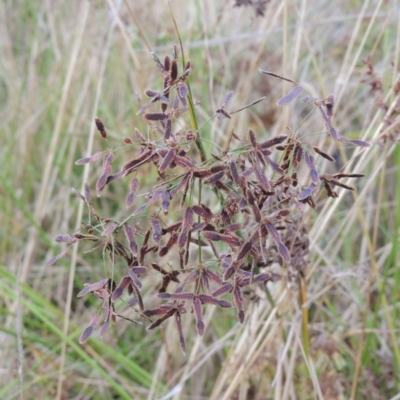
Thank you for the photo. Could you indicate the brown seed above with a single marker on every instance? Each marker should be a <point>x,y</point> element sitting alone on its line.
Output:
<point>178,322</point>
<point>253,139</point>
<point>140,136</point>
<point>187,221</point>
<point>261,178</point>
<point>171,242</point>
<point>167,160</point>
<point>110,229</point>
<point>81,236</point>
<point>159,321</point>
<point>176,296</point>
<point>208,299</point>
<point>214,178</point>
<point>284,252</point>
<point>217,168</point>
<point>160,66</point>
<point>89,159</point>
<point>130,236</point>
<point>151,93</point>
<point>277,76</point>
<point>311,165</point>
<point>198,314</point>
<point>246,247</point>
<point>329,103</point>
<point>132,191</point>
<point>328,124</point>
<point>272,142</point>
<point>273,165</point>
<point>183,162</point>
<point>227,98</point>
<point>223,289</point>
<point>337,183</point>
<point>156,116</point>
<point>65,238</point>
<point>308,99</point>
<point>202,212</point>
<point>86,334</point>
<point>356,142</point>
<point>181,184</point>
<point>340,175</point>
<point>297,155</point>
<point>256,212</point>
<point>100,184</point>
<point>238,300</point>
<point>172,228</point>
<point>232,240</point>
<point>234,172</point>
<point>296,91</point>
<point>183,91</point>
<point>166,86</point>
<point>323,154</point>
<point>305,193</point>
<point>201,173</point>
<point>211,235</point>
<point>135,279</point>
<point>167,63</point>
<point>234,227</point>
<point>250,196</point>
<point>329,190</point>
<point>125,281</point>
<point>156,227</point>
<point>223,113</point>
<point>165,201</point>
<point>92,287</point>
<point>154,197</point>
<point>100,127</point>
<point>174,71</point>
<point>199,227</point>
<point>182,258</point>
<point>144,157</point>
<point>228,273</point>
<point>168,129</point>
<point>57,257</point>
<point>273,232</point>
<point>185,190</point>
<point>187,70</point>
<point>261,157</point>
<point>116,176</point>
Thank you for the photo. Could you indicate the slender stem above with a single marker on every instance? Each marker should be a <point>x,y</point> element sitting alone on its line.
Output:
<point>304,312</point>
<point>141,33</point>
<point>199,220</point>
<point>193,119</point>
<point>304,119</point>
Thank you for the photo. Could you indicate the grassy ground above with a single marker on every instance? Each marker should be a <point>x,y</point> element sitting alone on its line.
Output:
<point>64,62</point>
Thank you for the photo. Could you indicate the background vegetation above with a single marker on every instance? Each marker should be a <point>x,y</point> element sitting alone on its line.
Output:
<point>64,62</point>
